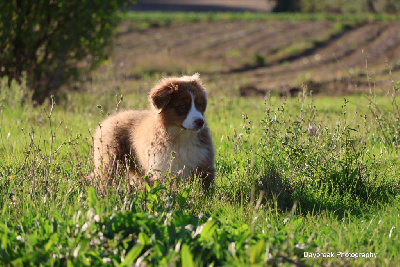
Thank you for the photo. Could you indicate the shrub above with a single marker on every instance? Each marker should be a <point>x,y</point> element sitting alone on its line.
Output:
<point>53,40</point>
<point>286,6</point>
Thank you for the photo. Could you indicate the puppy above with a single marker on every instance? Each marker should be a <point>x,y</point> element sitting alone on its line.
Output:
<point>171,137</point>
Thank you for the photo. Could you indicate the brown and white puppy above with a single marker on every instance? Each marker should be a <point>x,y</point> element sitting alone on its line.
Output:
<point>171,137</point>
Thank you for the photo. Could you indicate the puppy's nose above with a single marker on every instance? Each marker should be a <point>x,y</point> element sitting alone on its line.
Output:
<point>199,123</point>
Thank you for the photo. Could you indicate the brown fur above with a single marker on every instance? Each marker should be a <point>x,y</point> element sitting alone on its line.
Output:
<point>151,142</point>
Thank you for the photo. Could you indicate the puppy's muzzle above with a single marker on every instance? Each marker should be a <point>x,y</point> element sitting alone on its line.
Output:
<point>198,123</point>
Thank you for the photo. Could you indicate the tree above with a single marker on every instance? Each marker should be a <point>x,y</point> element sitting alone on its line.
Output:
<point>47,39</point>
<point>286,6</point>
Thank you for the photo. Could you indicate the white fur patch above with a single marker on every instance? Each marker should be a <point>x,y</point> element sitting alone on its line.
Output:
<point>192,116</point>
<point>183,156</point>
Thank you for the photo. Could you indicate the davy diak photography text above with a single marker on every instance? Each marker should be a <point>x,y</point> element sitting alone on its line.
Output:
<point>340,254</point>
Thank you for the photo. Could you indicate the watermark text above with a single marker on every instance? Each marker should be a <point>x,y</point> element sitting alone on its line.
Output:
<point>339,254</point>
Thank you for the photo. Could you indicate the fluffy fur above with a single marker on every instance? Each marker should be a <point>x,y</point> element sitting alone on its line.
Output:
<point>171,137</point>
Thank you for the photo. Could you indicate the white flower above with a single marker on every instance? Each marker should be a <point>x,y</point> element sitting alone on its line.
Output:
<point>84,227</point>
<point>391,230</point>
<point>76,251</point>
<point>107,260</point>
<point>20,238</point>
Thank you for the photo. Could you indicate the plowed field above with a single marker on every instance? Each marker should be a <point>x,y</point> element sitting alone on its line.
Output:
<point>252,57</point>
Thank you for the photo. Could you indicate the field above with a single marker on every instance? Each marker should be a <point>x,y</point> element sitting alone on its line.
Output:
<point>305,120</point>
<point>332,55</point>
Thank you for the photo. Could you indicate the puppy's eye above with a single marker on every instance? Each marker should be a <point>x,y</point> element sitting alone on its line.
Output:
<point>181,108</point>
<point>201,106</point>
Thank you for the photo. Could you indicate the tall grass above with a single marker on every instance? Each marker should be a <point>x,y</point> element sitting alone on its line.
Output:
<point>293,176</point>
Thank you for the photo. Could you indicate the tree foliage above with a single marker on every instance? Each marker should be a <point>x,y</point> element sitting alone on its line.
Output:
<point>52,40</point>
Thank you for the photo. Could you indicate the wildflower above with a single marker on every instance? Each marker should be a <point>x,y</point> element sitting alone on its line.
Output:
<point>168,206</point>
<point>306,168</point>
<point>232,248</point>
<point>391,230</point>
<point>85,227</point>
<point>189,227</point>
<point>273,120</point>
<point>107,260</point>
<point>20,238</point>
<point>178,246</point>
<point>311,129</point>
<point>169,198</point>
<point>76,251</point>
<point>200,216</point>
<point>300,246</point>
<point>255,219</point>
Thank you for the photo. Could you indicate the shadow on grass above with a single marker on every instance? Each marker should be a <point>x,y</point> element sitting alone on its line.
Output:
<point>312,198</point>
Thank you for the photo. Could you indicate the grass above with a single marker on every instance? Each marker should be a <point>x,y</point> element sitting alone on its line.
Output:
<point>294,176</point>
<point>166,18</point>
<point>145,20</point>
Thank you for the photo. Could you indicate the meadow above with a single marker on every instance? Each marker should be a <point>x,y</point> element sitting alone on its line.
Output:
<point>300,180</point>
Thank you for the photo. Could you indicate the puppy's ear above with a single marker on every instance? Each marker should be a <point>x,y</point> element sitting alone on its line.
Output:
<point>161,94</point>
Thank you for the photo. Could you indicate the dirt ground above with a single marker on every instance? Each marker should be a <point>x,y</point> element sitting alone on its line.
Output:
<point>254,57</point>
<point>203,5</point>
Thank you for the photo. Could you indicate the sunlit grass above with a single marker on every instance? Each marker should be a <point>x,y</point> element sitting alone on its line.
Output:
<point>293,175</point>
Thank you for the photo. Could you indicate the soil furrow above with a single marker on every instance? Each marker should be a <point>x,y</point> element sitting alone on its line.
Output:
<point>299,31</point>
<point>324,54</point>
<point>226,39</point>
<point>246,44</point>
<point>344,49</point>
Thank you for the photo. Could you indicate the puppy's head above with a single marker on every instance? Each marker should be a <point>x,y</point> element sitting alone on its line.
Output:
<point>180,102</point>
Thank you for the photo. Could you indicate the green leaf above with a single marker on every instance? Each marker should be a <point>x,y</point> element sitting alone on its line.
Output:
<point>144,239</point>
<point>92,197</point>
<point>296,223</point>
<point>183,196</point>
<point>208,230</point>
<point>324,230</point>
<point>187,258</point>
<point>132,255</point>
<point>4,239</point>
<point>52,240</point>
<point>257,251</point>
<point>148,188</point>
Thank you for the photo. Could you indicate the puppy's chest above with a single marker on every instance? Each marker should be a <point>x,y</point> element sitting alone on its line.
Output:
<point>176,156</point>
